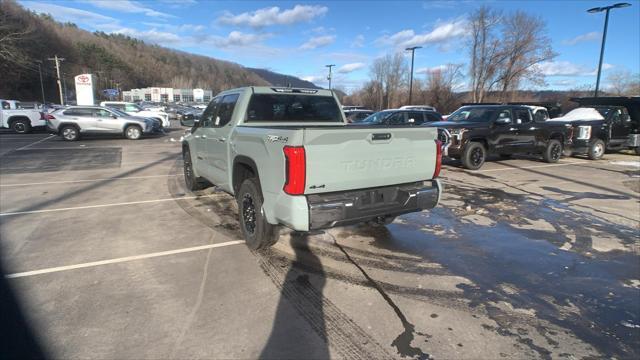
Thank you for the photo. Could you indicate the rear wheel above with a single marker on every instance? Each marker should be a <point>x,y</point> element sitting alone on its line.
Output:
<point>133,132</point>
<point>21,126</point>
<point>596,150</point>
<point>192,182</point>
<point>69,133</point>
<point>257,232</point>
<point>474,156</point>
<point>553,152</point>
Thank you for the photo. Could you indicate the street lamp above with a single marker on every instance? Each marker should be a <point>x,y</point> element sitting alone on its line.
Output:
<point>413,50</point>
<point>604,34</point>
<point>329,77</point>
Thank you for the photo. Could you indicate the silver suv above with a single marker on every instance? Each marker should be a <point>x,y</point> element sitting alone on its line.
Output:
<point>75,120</point>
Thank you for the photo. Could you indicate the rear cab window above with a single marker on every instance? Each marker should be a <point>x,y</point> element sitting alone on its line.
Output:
<point>292,108</point>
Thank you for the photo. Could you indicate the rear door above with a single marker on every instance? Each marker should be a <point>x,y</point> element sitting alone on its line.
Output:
<point>84,118</point>
<point>202,136</point>
<point>527,129</point>
<point>217,145</point>
<point>339,158</point>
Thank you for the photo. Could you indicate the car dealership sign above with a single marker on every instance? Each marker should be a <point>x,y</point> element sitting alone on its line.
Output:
<point>84,89</point>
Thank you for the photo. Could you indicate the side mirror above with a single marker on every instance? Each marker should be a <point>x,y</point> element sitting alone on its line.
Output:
<point>626,118</point>
<point>503,121</point>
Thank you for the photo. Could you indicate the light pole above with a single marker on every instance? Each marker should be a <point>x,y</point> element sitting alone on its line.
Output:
<point>413,50</point>
<point>604,35</point>
<point>41,85</point>
<point>329,77</point>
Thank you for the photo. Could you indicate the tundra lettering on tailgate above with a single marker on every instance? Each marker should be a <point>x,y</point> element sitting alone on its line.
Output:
<point>379,164</point>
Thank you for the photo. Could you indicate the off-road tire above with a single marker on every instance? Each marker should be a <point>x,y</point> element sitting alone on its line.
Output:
<point>133,132</point>
<point>191,181</point>
<point>69,133</point>
<point>21,126</point>
<point>474,155</point>
<point>553,151</point>
<point>596,149</point>
<point>257,232</point>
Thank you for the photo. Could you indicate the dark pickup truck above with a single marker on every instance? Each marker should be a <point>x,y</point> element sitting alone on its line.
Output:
<point>474,131</point>
<point>617,127</point>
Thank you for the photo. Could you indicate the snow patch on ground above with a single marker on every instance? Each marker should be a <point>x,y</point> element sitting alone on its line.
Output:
<point>626,163</point>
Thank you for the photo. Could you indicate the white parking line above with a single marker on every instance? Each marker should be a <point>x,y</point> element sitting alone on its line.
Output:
<point>533,167</point>
<point>100,206</point>
<point>36,142</point>
<point>122,259</point>
<point>88,180</point>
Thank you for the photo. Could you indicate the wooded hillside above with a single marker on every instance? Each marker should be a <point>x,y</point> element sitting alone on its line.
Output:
<point>26,38</point>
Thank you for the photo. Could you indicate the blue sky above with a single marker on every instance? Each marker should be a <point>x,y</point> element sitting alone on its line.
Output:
<point>299,38</point>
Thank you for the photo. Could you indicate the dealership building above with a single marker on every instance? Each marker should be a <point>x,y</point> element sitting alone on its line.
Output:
<point>167,95</point>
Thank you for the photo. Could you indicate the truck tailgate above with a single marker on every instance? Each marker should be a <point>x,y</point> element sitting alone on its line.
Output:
<point>348,158</point>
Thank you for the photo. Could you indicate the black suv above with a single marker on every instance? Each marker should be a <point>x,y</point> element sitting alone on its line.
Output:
<point>619,129</point>
<point>478,130</point>
<point>400,117</point>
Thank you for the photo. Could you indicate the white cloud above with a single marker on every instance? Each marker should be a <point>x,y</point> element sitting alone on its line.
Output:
<point>566,68</point>
<point>590,36</point>
<point>358,42</point>
<point>67,14</point>
<point>318,41</point>
<point>237,39</point>
<point>176,28</point>
<point>274,16</point>
<point>314,78</point>
<point>443,32</point>
<point>428,70</point>
<point>128,6</point>
<point>347,68</point>
<point>152,36</point>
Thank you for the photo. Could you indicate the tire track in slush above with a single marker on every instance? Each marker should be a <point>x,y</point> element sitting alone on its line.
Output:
<point>340,332</point>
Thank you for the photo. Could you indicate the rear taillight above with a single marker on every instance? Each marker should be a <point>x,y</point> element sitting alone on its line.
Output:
<point>49,117</point>
<point>295,170</point>
<point>436,171</point>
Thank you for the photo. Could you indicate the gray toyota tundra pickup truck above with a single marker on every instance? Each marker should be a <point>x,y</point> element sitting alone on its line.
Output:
<point>289,158</point>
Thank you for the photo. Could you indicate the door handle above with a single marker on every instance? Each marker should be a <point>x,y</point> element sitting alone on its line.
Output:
<point>221,139</point>
<point>203,136</point>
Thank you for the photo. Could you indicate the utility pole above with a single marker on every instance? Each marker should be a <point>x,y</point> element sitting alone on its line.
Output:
<point>41,85</point>
<point>64,86</point>
<point>413,50</point>
<point>57,61</point>
<point>329,77</point>
<point>604,35</point>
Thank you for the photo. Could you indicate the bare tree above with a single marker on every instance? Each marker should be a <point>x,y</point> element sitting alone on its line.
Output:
<point>624,83</point>
<point>441,85</point>
<point>523,45</point>
<point>483,50</point>
<point>389,73</point>
<point>12,33</point>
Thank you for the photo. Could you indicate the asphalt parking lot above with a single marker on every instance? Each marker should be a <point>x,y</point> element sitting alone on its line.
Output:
<point>108,256</point>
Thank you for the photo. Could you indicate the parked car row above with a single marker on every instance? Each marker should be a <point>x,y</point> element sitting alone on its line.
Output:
<point>475,131</point>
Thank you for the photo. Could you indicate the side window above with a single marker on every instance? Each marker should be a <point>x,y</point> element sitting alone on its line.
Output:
<point>433,117</point>
<point>227,105</point>
<point>396,119</point>
<point>505,114</point>
<point>522,116</point>
<point>102,113</point>
<point>417,117</point>
<point>129,108</point>
<point>208,116</point>
<point>6,105</point>
<point>616,117</point>
<point>541,116</point>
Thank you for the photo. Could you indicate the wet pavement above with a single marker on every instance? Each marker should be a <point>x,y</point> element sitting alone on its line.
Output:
<point>522,259</point>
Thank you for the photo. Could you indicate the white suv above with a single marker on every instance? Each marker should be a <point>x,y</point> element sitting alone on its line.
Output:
<point>135,110</point>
